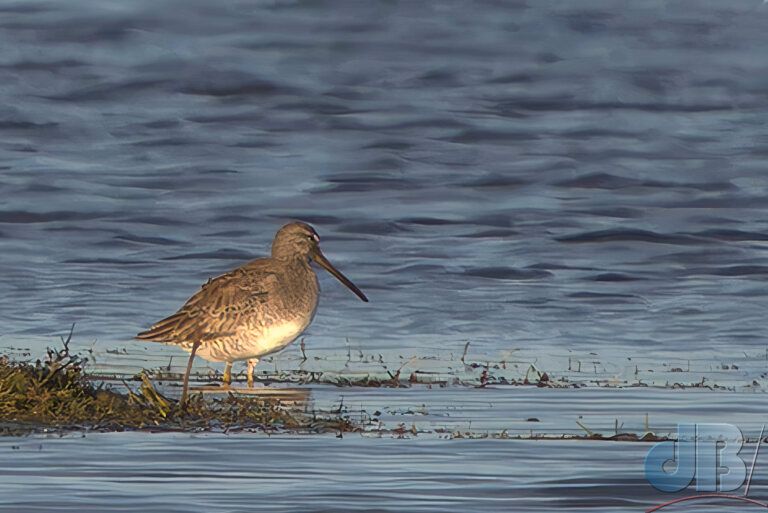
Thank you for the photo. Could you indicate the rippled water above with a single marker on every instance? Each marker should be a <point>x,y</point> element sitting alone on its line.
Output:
<point>545,176</point>
<point>424,473</point>
<point>312,475</point>
<point>549,175</point>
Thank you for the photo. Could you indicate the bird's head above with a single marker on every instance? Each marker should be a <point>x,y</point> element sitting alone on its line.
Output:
<point>299,240</point>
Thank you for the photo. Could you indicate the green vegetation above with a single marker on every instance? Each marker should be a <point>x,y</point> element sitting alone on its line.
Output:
<point>56,395</point>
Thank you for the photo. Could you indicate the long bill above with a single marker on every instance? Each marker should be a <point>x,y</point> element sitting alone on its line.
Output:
<point>323,262</point>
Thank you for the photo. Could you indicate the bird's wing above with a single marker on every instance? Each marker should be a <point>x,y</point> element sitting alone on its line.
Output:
<point>218,308</point>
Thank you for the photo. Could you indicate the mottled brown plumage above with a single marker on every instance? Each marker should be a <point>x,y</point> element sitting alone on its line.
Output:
<point>254,310</point>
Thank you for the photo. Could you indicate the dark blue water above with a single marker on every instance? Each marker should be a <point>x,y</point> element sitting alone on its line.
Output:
<point>312,475</point>
<point>562,180</point>
<point>426,472</point>
<point>541,175</point>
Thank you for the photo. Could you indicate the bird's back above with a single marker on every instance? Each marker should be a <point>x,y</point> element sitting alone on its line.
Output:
<point>242,313</point>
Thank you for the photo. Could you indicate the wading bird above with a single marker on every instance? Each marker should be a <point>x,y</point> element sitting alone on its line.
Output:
<point>253,311</point>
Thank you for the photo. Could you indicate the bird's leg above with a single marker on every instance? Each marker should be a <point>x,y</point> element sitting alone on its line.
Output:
<point>252,362</point>
<point>227,379</point>
<point>184,390</point>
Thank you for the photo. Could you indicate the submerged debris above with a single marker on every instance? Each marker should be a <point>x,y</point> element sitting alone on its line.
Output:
<point>56,395</point>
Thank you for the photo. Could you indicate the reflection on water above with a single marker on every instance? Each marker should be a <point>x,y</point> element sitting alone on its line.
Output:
<point>320,474</point>
<point>555,177</point>
<point>542,176</point>
<point>425,470</point>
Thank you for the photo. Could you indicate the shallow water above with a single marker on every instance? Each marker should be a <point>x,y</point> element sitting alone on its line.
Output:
<point>421,473</point>
<point>243,473</point>
<point>550,175</point>
<point>574,185</point>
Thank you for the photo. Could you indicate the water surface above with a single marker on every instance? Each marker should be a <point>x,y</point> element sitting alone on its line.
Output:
<point>575,185</point>
<point>523,175</point>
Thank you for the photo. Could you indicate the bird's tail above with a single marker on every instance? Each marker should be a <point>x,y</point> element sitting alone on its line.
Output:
<point>162,331</point>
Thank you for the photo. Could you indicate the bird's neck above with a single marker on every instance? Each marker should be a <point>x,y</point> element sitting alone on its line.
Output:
<point>293,259</point>
<point>286,252</point>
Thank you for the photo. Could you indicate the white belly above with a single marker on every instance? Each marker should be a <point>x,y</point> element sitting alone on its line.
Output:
<point>277,337</point>
<point>270,340</point>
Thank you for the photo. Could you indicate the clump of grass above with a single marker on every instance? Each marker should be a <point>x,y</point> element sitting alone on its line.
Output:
<point>53,391</point>
<point>55,394</point>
